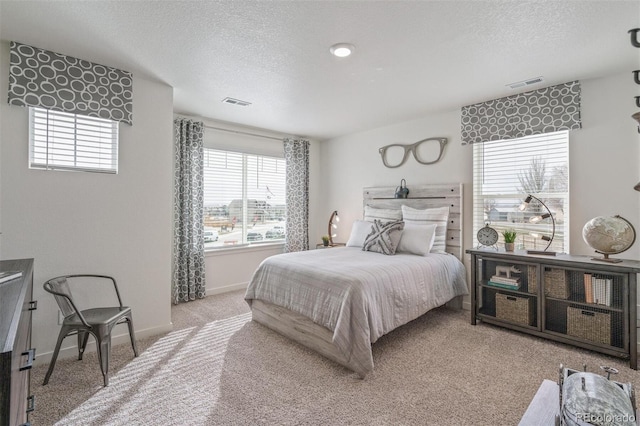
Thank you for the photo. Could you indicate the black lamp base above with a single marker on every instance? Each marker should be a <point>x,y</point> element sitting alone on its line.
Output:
<point>548,253</point>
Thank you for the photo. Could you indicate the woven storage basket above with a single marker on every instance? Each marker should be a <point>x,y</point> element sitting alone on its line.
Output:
<point>514,309</point>
<point>589,325</point>
<point>532,279</point>
<point>556,283</point>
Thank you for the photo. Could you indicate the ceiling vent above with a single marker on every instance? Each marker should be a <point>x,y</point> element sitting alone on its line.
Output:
<point>233,101</point>
<point>525,83</point>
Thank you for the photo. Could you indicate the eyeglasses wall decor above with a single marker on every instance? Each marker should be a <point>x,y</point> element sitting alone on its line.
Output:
<point>427,151</point>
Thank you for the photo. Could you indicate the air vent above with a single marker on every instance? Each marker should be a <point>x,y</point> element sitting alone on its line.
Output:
<point>233,101</point>
<point>529,82</point>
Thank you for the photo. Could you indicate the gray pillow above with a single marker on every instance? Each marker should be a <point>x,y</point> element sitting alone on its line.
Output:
<point>384,237</point>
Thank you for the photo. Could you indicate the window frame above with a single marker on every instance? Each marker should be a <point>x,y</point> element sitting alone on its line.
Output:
<point>92,135</point>
<point>481,198</point>
<point>244,244</point>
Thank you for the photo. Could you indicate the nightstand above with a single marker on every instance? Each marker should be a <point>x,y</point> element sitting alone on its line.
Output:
<point>322,246</point>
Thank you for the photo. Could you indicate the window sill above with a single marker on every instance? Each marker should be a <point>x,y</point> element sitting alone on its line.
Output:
<point>225,251</point>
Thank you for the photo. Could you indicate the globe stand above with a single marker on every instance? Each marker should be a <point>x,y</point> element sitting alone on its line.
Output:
<point>606,258</point>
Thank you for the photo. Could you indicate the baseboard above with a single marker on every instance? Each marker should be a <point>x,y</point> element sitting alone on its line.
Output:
<point>225,289</point>
<point>123,337</point>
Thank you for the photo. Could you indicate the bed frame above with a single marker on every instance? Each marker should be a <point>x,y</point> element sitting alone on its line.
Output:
<point>318,338</point>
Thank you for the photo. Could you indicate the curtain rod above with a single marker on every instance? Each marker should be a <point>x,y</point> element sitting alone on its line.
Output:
<point>243,133</point>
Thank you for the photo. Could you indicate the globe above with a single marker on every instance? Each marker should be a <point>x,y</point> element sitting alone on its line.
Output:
<point>609,235</point>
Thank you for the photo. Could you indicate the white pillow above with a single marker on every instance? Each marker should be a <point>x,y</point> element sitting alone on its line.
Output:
<point>385,215</point>
<point>359,231</point>
<point>417,239</point>
<point>438,216</point>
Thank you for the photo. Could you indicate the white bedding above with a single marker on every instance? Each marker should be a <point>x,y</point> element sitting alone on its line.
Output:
<point>358,295</point>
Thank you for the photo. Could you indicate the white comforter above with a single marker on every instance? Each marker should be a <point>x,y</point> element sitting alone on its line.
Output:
<point>358,295</point>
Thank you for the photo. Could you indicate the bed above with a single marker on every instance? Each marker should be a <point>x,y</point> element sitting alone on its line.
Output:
<point>339,301</point>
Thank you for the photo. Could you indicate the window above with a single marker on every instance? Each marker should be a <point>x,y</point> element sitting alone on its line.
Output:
<point>244,199</point>
<point>506,171</point>
<point>63,141</point>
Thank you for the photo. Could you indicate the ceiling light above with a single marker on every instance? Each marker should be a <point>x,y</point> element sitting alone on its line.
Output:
<point>341,50</point>
<point>233,101</point>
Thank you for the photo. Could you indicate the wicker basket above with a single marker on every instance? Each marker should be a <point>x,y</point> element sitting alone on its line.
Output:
<point>532,279</point>
<point>589,325</point>
<point>515,309</point>
<point>556,283</point>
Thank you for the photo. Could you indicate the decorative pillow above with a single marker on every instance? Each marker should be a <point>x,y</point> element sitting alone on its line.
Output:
<point>384,237</point>
<point>359,231</point>
<point>438,216</point>
<point>371,213</point>
<point>417,239</point>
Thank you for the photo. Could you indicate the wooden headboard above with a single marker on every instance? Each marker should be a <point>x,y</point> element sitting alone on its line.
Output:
<point>425,197</point>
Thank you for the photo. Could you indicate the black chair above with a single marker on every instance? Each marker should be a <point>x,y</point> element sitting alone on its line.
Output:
<point>95,321</point>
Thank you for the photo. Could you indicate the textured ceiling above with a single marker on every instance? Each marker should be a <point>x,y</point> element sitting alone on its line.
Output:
<point>411,58</point>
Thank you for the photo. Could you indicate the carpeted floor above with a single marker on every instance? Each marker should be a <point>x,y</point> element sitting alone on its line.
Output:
<point>219,368</point>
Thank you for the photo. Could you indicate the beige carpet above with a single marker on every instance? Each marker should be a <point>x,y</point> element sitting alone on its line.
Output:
<point>219,368</point>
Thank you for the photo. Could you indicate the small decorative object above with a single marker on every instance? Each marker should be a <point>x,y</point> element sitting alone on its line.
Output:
<point>333,224</point>
<point>509,239</point>
<point>587,397</point>
<point>506,271</point>
<point>539,218</point>
<point>396,154</point>
<point>402,191</point>
<point>609,235</point>
<point>487,236</point>
<point>325,240</point>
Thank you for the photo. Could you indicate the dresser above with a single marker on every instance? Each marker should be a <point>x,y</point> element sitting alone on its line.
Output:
<point>16,353</point>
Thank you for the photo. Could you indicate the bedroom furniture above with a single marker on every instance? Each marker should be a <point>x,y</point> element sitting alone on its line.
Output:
<point>16,353</point>
<point>322,246</point>
<point>95,321</point>
<point>545,406</point>
<point>321,339</point>
<point>569,299</point>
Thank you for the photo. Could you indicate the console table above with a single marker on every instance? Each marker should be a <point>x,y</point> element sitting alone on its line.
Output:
<point>16,353</point>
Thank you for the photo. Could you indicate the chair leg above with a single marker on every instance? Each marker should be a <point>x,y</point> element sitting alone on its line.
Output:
<point>83,336</point>
<point>61,336</point>
<point>132,336</point>
<point>103,342</point>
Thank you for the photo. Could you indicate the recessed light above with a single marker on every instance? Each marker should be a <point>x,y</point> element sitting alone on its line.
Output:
<point>342,50</point>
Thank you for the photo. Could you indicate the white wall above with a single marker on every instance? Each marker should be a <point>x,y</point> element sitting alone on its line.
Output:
<point>231,269</point>
<point>76,222</point>
<point>603,162</point>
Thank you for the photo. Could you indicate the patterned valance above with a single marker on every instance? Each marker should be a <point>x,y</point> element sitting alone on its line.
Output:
<point>45,79</point>
<point>540,111</point>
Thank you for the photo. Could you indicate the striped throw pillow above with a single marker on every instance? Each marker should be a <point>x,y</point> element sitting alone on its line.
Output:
<point>372,213</point>
<point>438,216</point>
<point>384,237</point>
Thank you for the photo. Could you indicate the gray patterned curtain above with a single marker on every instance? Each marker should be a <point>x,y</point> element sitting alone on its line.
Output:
<point>188,250</point>
<point>531,113</point>
<point>296,155</point>
<point>50,80</point>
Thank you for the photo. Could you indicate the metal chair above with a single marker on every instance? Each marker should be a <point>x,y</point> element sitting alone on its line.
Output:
<point>95,321</point>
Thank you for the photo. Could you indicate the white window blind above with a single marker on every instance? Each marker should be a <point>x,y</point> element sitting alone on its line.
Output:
<point>244,198</point>
<point>63,141</point>
<point>506,171</point>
